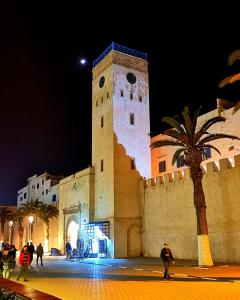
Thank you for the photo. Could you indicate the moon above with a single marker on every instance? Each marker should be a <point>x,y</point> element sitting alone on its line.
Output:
<point>83,61</point>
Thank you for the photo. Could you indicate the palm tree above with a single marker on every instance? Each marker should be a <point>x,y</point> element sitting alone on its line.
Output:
<point>46,212</point>
<point>42,211</point>
<point>232,59</point>
<point>5,214</point>
<point>192,142</point>
<point>18,216</point>
<point>29,208</point>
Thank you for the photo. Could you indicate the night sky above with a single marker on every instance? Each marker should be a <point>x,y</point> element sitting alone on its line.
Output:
<point>45,116</point>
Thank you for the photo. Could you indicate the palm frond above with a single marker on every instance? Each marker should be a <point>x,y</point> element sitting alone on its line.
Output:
<point>216,136</point>
<point>46,212</point>
<point>5,213</point>
<point>174,123</point>
<point>206,126</point>
<point>211,122</point>
<point>163,143</point>
<point>188,122</point>
<point>177,153</point>
<point>209,146</point>
<point>172,133</point>
<point>195,118</point>
<point>229,80</point>
<point>233,57</point>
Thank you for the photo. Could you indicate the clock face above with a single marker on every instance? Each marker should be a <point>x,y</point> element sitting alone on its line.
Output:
<point>101,81</point>
<point>131,78</point>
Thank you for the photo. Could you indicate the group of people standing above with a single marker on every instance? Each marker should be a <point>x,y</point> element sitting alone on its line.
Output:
<point>8,259</point>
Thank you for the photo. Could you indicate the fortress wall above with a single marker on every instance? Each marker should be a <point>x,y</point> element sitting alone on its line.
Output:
<point>169,213</point>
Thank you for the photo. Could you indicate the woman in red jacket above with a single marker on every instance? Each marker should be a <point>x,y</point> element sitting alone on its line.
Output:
<point>24,263</point>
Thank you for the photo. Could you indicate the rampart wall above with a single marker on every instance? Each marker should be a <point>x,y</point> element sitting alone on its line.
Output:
<point>169,214</point>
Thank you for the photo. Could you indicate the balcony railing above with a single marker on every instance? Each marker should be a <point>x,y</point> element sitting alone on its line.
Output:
<point>122,49</point>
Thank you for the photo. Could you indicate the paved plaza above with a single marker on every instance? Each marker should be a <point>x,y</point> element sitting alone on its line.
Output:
<point>133,279</point>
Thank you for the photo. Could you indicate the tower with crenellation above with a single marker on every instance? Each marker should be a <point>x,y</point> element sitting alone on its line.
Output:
<point>120,144</point>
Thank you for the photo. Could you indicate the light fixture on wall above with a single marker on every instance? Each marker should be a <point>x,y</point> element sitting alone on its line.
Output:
<point>30,219</point>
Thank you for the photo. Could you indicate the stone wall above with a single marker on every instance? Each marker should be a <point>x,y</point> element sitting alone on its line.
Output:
<point>169,213</point>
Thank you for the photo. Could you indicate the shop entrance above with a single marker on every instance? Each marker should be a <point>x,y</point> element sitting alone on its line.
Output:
<point>98,233</point>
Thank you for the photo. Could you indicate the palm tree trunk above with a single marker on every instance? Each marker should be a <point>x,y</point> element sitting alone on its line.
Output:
<point>204,251</point>
<point>20,234</point>
<point>46,235</point>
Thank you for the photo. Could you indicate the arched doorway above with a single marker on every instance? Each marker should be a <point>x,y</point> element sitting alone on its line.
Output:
<point>72,233</point>
<point>134,241</point>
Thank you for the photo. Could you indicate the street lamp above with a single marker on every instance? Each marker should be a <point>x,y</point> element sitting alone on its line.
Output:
<point>30,219</point>
<point>10,223</point>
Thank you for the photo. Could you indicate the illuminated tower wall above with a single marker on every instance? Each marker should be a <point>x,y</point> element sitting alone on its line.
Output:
<point>120,149</point>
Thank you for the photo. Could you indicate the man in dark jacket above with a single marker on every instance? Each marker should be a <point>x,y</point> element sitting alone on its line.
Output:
<point>39,253</point>
<point>167,257</point>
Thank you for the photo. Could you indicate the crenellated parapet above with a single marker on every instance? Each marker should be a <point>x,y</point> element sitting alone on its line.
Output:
<point>211,167</point>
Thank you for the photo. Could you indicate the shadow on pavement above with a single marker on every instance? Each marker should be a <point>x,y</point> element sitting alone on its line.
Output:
<point>118,277</point>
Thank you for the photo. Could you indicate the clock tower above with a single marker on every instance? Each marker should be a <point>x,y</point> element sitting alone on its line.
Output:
<point>120,144</point>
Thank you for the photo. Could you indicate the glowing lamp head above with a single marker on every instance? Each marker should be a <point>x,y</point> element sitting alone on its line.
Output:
<point>10,223</point>
<point>30,219</point>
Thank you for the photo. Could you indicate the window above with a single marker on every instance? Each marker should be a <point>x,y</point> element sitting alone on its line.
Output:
<point>121,93</point>
<point>107,95</point>
<point>46,191</point>
<point>131,118</point>
<point>96,103</point>
<point>38,186</point>
<point>54,198</point>
<point>162,166</point>
<point>42,181</point>
<point>21,199</point>
<point>101,165</point>
<point>180,161</point>
<point>25,195</point>
<point>131,96</point>
<point>140,98</point>
<point>133,165</point>
<point>90,230</point>
<point>42,192</point>
<point>101,121</point>
<point>207,153</point>
<point>102,99</point>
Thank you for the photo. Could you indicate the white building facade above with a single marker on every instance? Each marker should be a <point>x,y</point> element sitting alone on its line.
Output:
<point>44,187</point>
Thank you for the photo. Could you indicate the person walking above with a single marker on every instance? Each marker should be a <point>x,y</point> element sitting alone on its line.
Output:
<point>68,250</point>
<point>167,257</point>
<point>39,253</point>
<point>31,250</point>
<point>24,263</point>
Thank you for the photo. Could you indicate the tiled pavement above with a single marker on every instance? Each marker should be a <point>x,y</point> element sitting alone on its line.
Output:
<point>139,279</point>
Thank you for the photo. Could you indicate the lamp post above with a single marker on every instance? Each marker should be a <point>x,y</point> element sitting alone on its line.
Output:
<point>10,223</point>
<point>30,219</point>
